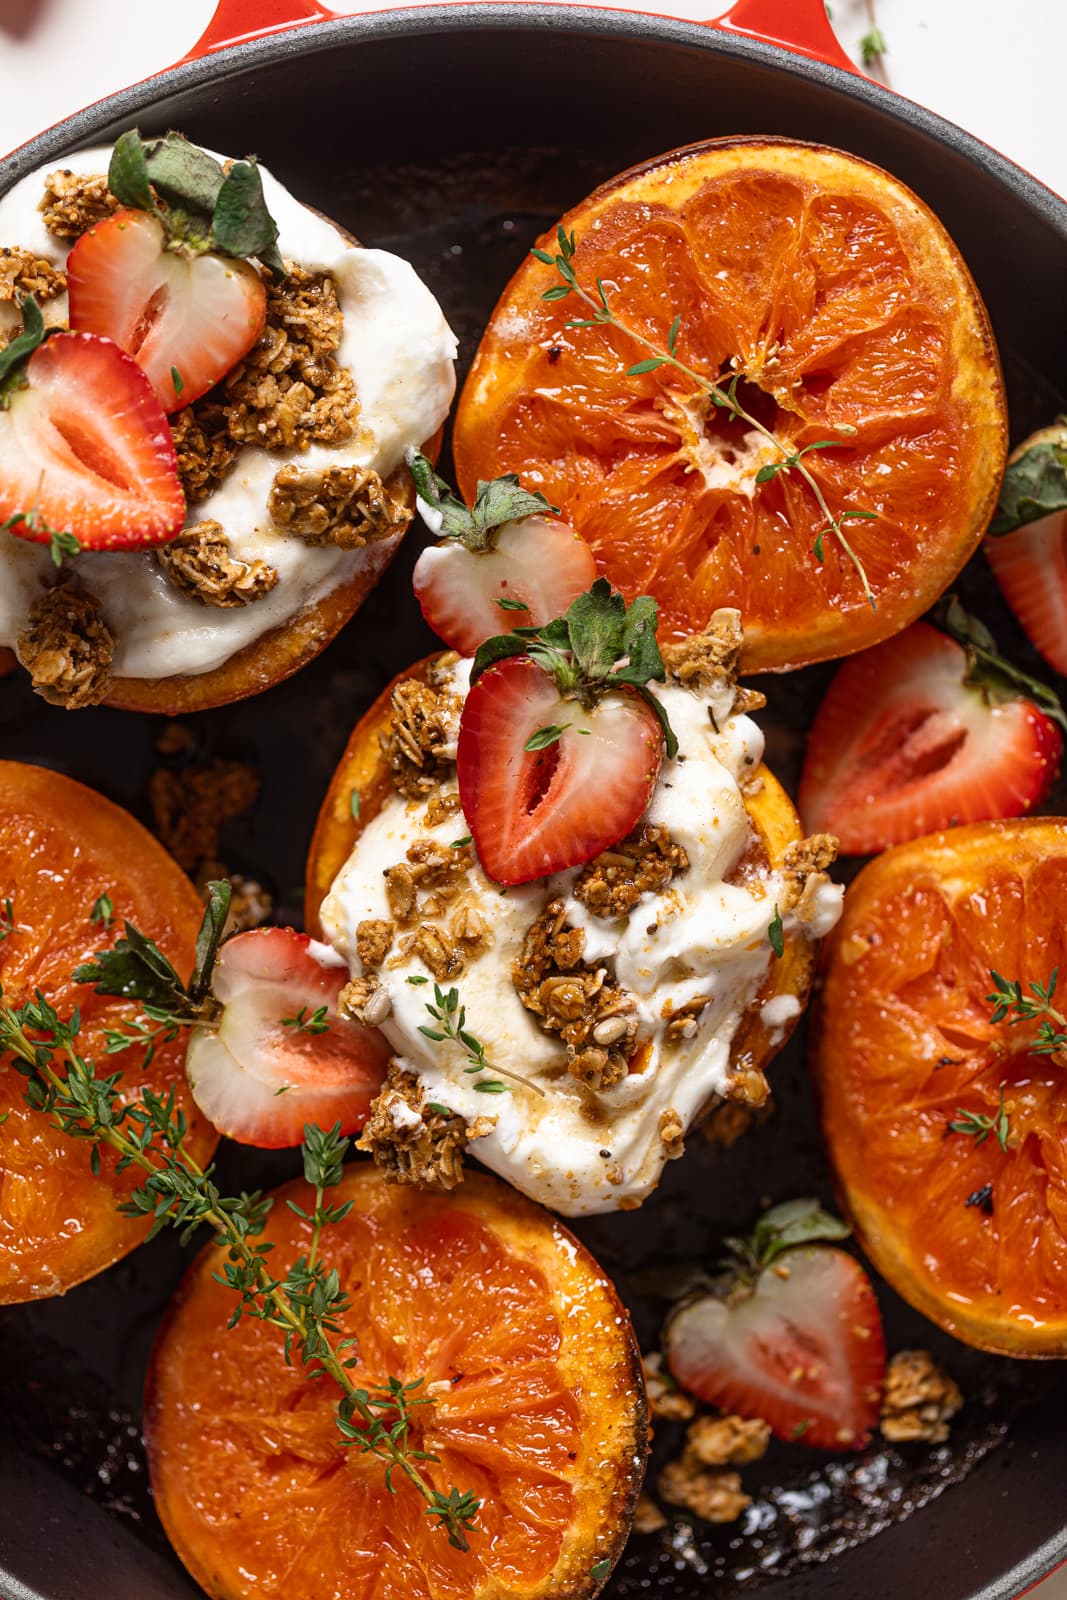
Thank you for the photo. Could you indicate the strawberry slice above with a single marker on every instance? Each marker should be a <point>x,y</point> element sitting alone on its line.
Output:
<point>1027,542</point>
<point>538,564</point>
<point>923,732</point>
<point>1030,566</point>
<point>177,312</point>
<point>281,1056</point>
<point>801,1347</point>
<point>581,787</point>
<point>85,449</point>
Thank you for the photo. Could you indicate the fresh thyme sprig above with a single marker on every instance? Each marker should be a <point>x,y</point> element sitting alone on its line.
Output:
<point>1010,1004</point>
<point>978,1125</point>
<point>316,1022</point>
<point>7,918</point>
<point>450,1019</point>
<point>150,1134</point>
<point>725,397</point>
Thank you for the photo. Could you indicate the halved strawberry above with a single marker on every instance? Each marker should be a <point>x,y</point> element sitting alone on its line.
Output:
<point>537,561</point>
<point>536,811</point>
<point>924,732</point>
<point>187,318</point>
<point>1031,567</point>
<point>281,1056</point>
<point>801,1347</point>
<point>85,449</point>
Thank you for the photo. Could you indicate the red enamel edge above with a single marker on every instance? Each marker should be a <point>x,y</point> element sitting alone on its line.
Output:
<point>798,25</point>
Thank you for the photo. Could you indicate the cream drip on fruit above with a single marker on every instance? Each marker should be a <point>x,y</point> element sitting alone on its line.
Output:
<point>398,350</point>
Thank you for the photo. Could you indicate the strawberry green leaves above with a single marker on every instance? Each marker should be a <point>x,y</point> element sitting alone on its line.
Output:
<point>1033,487</point>
<point>497,502</point>
<point>14,356</point>
<point>999,679</point>
<point>201,205</point>
<point>601,644</point>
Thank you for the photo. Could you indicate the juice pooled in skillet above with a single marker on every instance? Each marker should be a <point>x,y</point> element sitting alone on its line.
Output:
<point>72,867</point>
<point>202,484</point>
<point>572,898</point>
<point>756,374</point>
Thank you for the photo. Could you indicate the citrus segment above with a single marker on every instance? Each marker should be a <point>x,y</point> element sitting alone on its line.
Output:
<point>535,1404</point>
<point>970,1226</point>
<point>62,847</point>
<point>848,315</point>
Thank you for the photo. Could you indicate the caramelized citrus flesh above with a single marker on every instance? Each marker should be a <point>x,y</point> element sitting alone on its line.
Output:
<point>62,846</point>
<point>535,1404</point>
<point>850,316</point>
<point>905,1045</point>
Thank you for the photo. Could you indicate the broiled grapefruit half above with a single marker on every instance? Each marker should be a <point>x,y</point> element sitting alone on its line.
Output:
<point>946,1128</point>
<point>62,847</point>
<point>363,772</point>
<point>844,311</point>
<point>536,1405</point>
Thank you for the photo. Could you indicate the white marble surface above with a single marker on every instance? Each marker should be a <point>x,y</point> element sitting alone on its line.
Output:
<point>996,72</point>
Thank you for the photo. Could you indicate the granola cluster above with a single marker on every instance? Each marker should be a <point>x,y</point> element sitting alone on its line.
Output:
<point>72,203</point>
<point>708,662</point>
<point>422,891</point>
<point>919,1399</point>
<point>596,1020</point>
<point>199,563</point>
<point>22,273</point>
<point>420,743</point>
<point>347,506</point>
<point>699,1480</point>
<point>191,805</point>
<point>67,648</point>
<point>643,863</point>
<point>204,448</point>
<point>804,866</point>
<point>289,391</point>
<point>416,1143</point>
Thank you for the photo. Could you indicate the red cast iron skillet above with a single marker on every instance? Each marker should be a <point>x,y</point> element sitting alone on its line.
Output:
<point>454,135</point>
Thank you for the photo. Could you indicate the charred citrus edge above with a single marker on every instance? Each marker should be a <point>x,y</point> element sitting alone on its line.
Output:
<point>868,1218</point>
<point>134,832</point>
<point>571,1577</point>
<point>363,767</point>
<point>822,641</point>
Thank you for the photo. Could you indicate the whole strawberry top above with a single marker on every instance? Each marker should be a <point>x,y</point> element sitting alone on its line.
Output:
<point>227,416</point>
<point>562,914</point>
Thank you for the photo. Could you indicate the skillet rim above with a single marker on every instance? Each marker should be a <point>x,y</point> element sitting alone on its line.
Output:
<point>534,16</point>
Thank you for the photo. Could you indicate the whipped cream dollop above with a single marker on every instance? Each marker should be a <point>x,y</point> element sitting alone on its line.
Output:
<point>400,352</point>
<point>704,938</point>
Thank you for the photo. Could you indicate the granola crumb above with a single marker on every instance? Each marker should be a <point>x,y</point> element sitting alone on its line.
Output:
<point>645,862</point>
<point>421,737</point>
<point>199,563</point>
<point>440,808</point>
<point>411,1143</point>
<point>374,940</point>
<point>22,273</point>
<point>204,448</point>
<point>730,1120</point>
<point>73,203</point>
<point>919,1399</point>
<point>250,904</point>
<point>67,648</point>
<point>804,866</point>
<point>175,739</point>
<point>672,1134</point>
<point>727,1441</point>
<point>191,806</point>
<point>708,663</point>
<point>347,506</point>
<point>596,1020</point>
<point>713,1493</point>
<point>435,949</point>
<point>648,1518</point>
<point>666,1402</point>
<point>289,391</point>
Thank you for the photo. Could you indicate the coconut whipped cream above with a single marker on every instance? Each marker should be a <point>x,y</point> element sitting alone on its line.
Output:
<point>704,936</point>
<point>400,351</point>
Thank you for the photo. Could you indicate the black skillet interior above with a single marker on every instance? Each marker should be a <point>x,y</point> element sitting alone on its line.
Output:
<point>454,142</point>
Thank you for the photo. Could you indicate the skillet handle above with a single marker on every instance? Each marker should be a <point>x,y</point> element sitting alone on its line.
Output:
<point>237,20</point>
<point>799,25</point>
